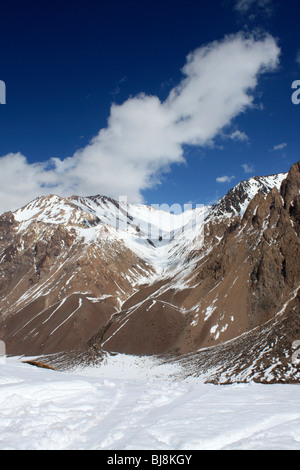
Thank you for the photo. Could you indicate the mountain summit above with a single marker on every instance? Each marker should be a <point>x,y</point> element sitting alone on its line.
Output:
<point>215,288</point>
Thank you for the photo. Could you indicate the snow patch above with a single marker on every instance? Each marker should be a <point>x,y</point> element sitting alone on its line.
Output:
<point>134,403</point>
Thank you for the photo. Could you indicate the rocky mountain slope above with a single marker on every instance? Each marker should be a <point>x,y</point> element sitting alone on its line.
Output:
<point>215,288</point>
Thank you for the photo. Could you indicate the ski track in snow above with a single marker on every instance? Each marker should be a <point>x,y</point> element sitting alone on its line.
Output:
<point>132,404</point>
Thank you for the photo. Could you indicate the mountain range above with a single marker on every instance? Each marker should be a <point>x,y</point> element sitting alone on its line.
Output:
<point>215,289</point>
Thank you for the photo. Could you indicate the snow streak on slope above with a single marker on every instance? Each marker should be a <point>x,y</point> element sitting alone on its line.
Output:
<point>141,408</point>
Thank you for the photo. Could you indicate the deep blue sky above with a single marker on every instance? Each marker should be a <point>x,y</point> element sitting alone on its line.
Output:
<point>64,63</point>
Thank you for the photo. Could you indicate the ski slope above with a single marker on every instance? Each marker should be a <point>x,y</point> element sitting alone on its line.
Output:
<point>135,404</point>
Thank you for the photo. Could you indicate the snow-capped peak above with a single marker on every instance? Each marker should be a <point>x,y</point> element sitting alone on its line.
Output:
<point>153,233</point>
<point>236,201</point>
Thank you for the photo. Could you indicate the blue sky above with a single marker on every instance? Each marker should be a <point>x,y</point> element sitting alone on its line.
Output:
<point>166,101</point>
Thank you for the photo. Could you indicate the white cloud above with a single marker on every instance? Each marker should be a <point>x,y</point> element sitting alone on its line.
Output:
<point>248,168</point>
<point>280,146</point>
<point>20,181</point>
<point>224,179</point>
<point>243,6</point>
<point>145,136</point>
<point>239,136</point>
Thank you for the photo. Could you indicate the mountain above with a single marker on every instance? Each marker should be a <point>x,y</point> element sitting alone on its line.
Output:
<point>215,289</point>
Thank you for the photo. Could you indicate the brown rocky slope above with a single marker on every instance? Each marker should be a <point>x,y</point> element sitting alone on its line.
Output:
<point>227,310</point>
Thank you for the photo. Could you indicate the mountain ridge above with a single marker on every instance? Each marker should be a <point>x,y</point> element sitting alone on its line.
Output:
<point>82,274</point>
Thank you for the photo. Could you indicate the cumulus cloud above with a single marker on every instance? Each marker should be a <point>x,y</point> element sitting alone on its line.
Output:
<point>20,181</point>
<point>144,136</point>
<point>248,168</point>
<point>239,136</point>
<point>224,179</point>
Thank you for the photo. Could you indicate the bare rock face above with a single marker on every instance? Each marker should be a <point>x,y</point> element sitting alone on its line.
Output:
<point>74,285</point>
<point>275,272</point>
<point>290,187</point>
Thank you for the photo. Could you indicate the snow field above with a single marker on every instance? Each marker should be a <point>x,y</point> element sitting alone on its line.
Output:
<point>134,404</point>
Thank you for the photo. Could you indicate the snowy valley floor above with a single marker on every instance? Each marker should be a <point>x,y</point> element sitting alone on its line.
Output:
<point>132,404</point>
